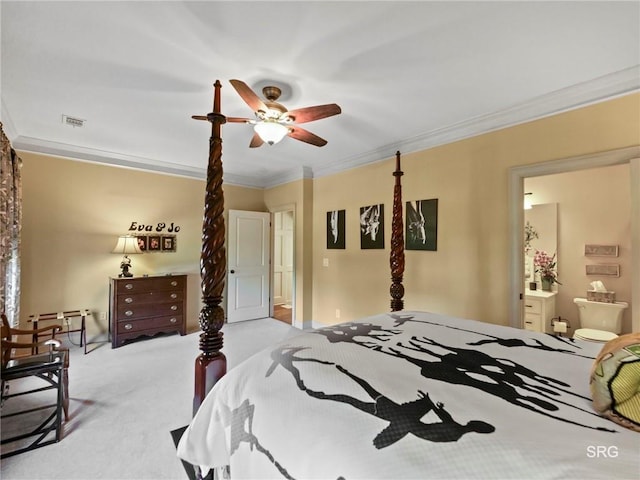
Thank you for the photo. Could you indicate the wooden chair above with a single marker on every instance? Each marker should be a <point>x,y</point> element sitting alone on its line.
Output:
<point>13,349</point>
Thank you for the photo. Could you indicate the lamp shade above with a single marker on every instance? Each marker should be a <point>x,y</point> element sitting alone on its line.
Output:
<point>270,131</point>
<point>127,244</point>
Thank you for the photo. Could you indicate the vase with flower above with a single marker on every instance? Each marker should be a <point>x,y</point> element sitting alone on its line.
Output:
<point>545,265</point>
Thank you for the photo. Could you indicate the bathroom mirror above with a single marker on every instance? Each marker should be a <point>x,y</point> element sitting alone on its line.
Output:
<point>541,233</point>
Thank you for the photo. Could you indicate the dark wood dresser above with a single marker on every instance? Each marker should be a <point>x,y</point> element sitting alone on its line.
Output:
<point>146,306</point>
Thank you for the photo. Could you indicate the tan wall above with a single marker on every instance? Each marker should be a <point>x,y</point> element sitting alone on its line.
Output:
<point>593,208</point>
<point>73,214</point>
<point>468,275</point>
<point>74,211</point>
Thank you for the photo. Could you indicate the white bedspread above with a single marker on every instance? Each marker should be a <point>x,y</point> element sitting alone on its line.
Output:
<point>412,395</point>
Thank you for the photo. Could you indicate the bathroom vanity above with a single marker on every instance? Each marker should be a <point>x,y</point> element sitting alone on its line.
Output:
<point>539,309</point>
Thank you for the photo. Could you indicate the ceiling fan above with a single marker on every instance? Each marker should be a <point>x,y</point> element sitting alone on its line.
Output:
<point>273,121</point>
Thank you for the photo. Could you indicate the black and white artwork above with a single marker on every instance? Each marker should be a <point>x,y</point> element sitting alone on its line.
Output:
<point>336,229</point>
<point>372,227</point>
<point>421,230</point>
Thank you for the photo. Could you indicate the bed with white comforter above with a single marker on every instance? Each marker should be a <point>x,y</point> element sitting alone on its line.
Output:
<point>411,395</point>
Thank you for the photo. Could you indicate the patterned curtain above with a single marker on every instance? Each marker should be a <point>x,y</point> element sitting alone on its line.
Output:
<point>10,225</point>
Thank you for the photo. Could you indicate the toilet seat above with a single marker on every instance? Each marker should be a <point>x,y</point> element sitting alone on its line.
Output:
<point>592,335</point>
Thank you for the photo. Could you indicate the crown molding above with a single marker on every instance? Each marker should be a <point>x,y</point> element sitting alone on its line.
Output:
<point>577,96</point>
<point>594,91</point>
<point>292,175</point>
<point>74,152</point>
<point>36,145</point>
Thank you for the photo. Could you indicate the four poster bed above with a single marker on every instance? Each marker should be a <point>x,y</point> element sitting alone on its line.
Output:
<point>403,394</point>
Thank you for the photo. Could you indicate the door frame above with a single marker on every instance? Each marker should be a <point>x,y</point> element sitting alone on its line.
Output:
<point>516,220</point>
<point>288,207</point>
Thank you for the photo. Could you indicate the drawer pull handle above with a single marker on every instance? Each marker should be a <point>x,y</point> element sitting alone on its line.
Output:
<point>529,306</point>
<point>174,307</point>
<point>174,283</point>
<point>174,295</point>
<point>173,320</point>
<point>129,286</point>
<point>128,300</point>
<point>128,313</point>
<point>128,326</point>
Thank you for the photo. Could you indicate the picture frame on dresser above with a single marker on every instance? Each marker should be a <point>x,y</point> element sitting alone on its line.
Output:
<point>146,306</point>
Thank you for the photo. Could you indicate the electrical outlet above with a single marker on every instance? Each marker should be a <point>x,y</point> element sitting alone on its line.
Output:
<point>67,321</point>
<point>337,313</point>
<point>103,315</point>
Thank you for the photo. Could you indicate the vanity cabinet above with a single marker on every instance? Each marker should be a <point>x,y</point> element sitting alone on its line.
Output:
<point>539,309</point>
<point>146,306</point>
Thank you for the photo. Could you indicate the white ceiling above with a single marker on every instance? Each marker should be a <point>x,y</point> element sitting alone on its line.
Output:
<point>408,75</point>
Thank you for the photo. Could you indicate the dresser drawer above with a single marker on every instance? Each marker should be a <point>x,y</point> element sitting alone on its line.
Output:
<point>144,324</point>
<point>149,284</point>
<point>151,297</point>
<point>125,312</point>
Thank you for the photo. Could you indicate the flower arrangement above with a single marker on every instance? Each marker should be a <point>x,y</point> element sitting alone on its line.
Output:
<point>546,266</point>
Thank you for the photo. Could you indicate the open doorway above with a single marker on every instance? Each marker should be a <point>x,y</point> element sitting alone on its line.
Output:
<point>517,177</point>
<point>283,292</point>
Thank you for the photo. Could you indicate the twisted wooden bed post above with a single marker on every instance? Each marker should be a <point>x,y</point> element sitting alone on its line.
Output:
<point>396,258</point>
<point>211,364</point>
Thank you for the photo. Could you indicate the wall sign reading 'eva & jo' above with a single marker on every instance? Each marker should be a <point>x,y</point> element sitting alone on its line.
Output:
<point>159,227</point>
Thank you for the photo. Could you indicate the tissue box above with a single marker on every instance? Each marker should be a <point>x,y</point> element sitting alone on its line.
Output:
<point>604,297</point>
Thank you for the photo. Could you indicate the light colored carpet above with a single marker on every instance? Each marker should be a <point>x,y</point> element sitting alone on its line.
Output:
<point>125,401</point>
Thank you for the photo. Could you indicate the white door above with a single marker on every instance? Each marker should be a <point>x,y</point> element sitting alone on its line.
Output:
<point>248,266</point>
<point>283,258</point>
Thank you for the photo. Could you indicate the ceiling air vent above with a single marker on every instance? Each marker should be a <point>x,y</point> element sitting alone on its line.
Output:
<point>72,121</point>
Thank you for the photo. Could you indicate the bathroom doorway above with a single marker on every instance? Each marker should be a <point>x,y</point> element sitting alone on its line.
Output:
<point>283,291</point>
<point>517,177</point>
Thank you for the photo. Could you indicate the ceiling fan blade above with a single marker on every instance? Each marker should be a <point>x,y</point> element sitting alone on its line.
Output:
<point>256,141</point>
<point>306,136</point>
<point>199,117</point>
<point>308,114</point>
<point>238,120</point>
<point>248,95</point>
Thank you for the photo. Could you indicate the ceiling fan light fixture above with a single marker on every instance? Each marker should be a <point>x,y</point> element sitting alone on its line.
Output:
<point>271,132</point>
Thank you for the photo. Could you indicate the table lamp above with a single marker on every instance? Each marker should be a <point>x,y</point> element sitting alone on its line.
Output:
<point>127,244</point>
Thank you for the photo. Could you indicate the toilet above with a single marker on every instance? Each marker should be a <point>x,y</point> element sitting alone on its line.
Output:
<point>599,321</point>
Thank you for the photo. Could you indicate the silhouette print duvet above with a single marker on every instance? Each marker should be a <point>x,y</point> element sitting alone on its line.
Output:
<point>411,395</point>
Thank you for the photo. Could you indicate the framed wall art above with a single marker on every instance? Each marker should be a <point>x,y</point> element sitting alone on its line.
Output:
<point>421,225</point>
<point>336,229</point>
<point>143,242</point>
<point>611,270</point>
<point>168,243</point>
<point>154,243</point>
<point>601,250</point>
<point>372,227</point>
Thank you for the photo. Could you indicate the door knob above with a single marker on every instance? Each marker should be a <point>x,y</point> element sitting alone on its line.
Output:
<point>232,271</point>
